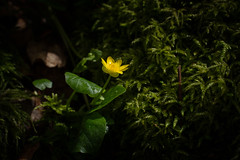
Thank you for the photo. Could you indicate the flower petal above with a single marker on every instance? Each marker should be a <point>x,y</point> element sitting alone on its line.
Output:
<point>104,63</point>
<point>119,62</point>
<point>105,69</point>
<point>110,60</point>
<point>124,67</point>
<point>120,72</point>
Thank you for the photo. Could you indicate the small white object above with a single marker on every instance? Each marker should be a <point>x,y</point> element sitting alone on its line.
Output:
<point>53,60</point>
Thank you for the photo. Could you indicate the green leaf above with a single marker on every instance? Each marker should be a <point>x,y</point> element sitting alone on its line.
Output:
<point>90,135</point>
<point>93,56</point>
<point>82,85</point>
<point>175,121</point>
<point>110,95</point>
<point>42,84</point>
<point>167,123</point>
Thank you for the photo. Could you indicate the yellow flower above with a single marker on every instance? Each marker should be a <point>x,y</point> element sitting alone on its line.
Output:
<point>113,68</point>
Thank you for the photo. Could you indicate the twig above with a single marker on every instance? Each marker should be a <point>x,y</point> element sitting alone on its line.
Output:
<point>179,83</point>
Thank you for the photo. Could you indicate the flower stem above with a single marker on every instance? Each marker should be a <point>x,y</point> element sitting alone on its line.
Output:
<point>86,101</point>
<point>100,93</point>
<point>70,99</point>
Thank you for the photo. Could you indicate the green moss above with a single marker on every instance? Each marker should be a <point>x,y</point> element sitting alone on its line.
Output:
<point>156,38</point>
<point>13,120</point>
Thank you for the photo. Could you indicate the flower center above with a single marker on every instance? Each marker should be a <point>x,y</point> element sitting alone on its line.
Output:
<point>113,67</point>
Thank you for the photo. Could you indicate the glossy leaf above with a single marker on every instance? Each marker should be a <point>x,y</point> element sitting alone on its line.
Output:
<point>82,85</point>
<point>42,84</point>
<point>91,134</point>
<point>110,95</point>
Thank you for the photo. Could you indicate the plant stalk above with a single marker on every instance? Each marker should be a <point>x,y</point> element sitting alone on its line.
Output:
<point>70,99</point>
<point>100,93</point>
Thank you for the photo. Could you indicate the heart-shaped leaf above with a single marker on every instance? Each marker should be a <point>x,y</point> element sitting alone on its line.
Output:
<point>42,84</point>
<point>90,135</point>
<point>82,85</point>
<point>110,95</point>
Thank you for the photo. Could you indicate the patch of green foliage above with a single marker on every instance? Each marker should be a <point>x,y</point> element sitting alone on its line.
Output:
<point>72,133</point>
<point>200,39</point>
<point>182,86</point>
<point>13,120</point>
